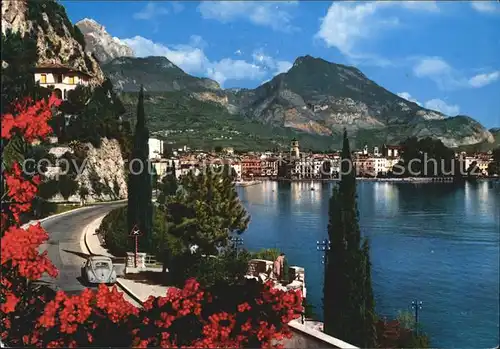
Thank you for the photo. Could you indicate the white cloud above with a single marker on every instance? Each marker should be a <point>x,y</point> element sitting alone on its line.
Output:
<point>481,80</point>
<point>347,24</point>
<point>448,78</point>
<point>486,6</point>
<point>150,11</point>
<point>192,59</point>
<point>408,97</point>
<point>228,68</point>
<point>431,66</point>
<point>283,66</point>
<point>274,14</point>
<point>443,107</point>
<point>429,6</point>
<point>433,104</point>
<point>274,66</point>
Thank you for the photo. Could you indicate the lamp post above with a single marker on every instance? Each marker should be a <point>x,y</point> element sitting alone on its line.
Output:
<point>236,242</point>
<point>323,246</point>
<point>416,306</point>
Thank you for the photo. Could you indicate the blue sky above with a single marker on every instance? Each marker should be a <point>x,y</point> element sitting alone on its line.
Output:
<point>444,55</point>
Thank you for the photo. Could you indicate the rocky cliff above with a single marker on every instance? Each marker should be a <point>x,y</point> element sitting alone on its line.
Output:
<point>99,42</point>
<point>103,172</point>
<point>58,40</point>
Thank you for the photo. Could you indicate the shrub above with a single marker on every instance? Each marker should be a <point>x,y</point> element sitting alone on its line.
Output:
<point>226,268</point>
<point>113,229</point>
<point>269,254</point>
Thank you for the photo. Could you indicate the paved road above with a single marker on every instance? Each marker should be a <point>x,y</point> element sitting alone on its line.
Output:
<point>64,247</point>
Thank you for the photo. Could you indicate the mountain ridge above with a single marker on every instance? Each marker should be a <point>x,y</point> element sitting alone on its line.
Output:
<point>325,107</point>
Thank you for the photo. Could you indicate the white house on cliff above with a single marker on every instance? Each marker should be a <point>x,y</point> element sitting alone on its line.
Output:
<point>60,77</point>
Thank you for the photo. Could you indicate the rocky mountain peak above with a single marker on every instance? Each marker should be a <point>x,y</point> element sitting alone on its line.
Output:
<point>57,40</point>
<point>99,42</point>
<point>89,24</point>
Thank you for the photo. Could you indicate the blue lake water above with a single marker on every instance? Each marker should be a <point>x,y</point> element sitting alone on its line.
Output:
<point>438,243</point>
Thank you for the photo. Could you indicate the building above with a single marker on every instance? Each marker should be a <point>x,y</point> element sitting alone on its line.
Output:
<point>392,151</point>
<point>228,150</point>
<point>237,168</point>
<point>370,166</point>
<point>250,168</point>
<point>482,162</point>
<point>60,77</point>
<point>155,148</point>
<point>294,149</point>
<point>164,167</point>
<point>269,167</point>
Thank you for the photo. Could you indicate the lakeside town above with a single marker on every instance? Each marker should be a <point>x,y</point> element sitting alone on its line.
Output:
<point>376,163</point>
<point>101,250</point>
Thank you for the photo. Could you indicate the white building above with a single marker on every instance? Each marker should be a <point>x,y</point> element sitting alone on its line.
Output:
<point>163,166</point>
<point>155,148</point>
<point>61,78</point>
<point>237,168</point>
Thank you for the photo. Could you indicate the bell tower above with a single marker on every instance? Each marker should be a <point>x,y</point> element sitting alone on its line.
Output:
<point>294,149</point>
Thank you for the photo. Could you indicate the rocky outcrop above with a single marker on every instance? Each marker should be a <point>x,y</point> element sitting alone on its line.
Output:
<point>99,42</point>
<point>103,172</point>
<point>58,40</point>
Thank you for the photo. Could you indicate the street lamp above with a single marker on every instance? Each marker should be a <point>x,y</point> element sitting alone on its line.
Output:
<point>416,306</point>
<point>323,246</point>
<point>236,242</point>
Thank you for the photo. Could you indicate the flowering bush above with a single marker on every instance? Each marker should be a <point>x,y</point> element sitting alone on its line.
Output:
<point>249,314</point>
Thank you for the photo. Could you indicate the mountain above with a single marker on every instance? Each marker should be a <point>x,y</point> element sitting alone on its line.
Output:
<point>98,41</point>
<point>314,97</point>
<point>58,40</point>
<point>321,97</point>
<point>156,74</point>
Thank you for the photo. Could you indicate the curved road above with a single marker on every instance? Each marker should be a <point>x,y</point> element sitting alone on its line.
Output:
<point>64,248</point>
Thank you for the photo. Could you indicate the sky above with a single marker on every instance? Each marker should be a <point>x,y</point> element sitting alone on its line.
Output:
<point>444,55</point>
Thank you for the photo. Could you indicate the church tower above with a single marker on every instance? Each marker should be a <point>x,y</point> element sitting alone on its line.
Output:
<point>294,149</point>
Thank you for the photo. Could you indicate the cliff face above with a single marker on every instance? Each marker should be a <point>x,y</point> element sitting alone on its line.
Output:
<point>99,42</point>
<point>58,40</point>
<point>103,172</point>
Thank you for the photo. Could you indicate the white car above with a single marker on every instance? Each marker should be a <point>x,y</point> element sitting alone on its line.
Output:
<point>99,270</point>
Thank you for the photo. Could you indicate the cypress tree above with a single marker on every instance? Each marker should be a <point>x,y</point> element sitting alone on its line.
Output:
<point>348,296</point>
<point>140,207</point>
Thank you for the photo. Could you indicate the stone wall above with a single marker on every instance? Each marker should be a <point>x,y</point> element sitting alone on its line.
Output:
<point>304,336</point>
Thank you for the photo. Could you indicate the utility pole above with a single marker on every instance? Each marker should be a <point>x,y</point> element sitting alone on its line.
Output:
<point>236,242</point>
<point>416,306</point>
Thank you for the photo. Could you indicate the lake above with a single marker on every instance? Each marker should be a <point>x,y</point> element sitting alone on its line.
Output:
<point>436,243</point>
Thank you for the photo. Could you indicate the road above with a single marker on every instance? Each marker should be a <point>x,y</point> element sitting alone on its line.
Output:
<point>64,248</point>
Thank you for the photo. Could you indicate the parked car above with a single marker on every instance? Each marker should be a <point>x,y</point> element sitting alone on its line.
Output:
<point>99,270</point>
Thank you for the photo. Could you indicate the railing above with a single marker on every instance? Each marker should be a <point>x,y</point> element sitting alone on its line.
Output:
<point>150,260</point>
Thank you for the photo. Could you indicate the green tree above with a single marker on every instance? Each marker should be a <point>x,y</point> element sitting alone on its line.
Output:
<point>140,208</point>
<point>348,297</point>
<point>168,186</point>
<point>494,166</point>
<point>83,192</point>
<point>205,211</point>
